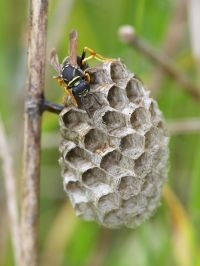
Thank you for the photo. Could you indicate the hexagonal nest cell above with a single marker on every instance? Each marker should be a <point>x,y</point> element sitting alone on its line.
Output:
<point>117,98</point>
<point>114,160</point>
<point>96,141</point>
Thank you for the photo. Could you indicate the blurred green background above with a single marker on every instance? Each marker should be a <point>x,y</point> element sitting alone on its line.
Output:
<point>172,235</point>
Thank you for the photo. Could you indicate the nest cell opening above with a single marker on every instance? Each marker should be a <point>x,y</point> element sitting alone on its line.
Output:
<point>132,145</point>
<point>128,187</point>
<point>134,89</point>
<point>110,160</point>
<point>118,71</point>
<point>143,165</point>
<point>77,157</point>
<point>113,219</point>
<point>130,205</point>
<point>117,98</point>
<point>140,119</point>
<point>68,175</point>
<point>95,141</point>
<point>114,120</point>
<point>134,205</point>
<point>94,177</point>
<point>73,118</point>
<point>153,138</point>
<point>73,186</point>
<point>75,192</point>
<point>108,202</point>
<point>85,211</point>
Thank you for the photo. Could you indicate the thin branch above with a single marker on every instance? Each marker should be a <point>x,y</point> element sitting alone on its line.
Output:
<point>183,126</point>
<point>32,132</point>
<point>51,107</point>
<point>11,193</point>
<point>128,35</point>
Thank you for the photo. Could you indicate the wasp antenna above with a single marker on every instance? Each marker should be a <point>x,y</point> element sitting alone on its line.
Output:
<point>73,35</point>
<point>73,38</point>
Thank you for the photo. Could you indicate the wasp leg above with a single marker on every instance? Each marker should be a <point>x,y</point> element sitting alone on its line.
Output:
<point>68,98</point>
<point>85,107</point>
<point>96,99</point>
<point>87,77</point>
<point>93,54</point>
<point>51,107</point>
<point>59,80</point>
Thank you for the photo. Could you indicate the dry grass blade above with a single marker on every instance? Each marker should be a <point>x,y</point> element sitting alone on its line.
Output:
<point>73,37</point>
<point>10,192</point>
<point>183,240</point>
<point>194,24</point>
<point>183,126</point>
<point>59,236</point>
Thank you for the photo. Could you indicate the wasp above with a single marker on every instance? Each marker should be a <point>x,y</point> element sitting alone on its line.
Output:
<point>72,73</point>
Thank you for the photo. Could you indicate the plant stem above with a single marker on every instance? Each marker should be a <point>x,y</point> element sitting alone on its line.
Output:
<point>167,66</point>
<point>128,35</point>
<point>32,132</point>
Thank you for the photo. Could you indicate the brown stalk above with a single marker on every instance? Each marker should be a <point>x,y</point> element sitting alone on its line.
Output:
<point>128,35</point>
<point>184,126</point>
<point>168,67</point>
<point>32,132</point>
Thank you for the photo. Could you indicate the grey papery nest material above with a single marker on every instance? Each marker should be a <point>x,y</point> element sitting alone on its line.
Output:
<point>114,163</point>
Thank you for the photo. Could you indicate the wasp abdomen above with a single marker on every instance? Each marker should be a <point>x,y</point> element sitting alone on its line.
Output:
<point>81,89</point>
<point>75,80</point>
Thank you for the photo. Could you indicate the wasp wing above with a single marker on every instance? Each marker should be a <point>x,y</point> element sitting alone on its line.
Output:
<point>54,61</point>
<point>73,37</point>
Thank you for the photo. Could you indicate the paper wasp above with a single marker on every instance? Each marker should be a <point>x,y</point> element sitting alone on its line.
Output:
<point>72,73</point>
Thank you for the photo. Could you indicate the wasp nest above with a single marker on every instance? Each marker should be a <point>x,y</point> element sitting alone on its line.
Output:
<point>114,160</point>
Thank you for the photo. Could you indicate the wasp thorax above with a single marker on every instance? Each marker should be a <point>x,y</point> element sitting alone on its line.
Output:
<point>114,162</point>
